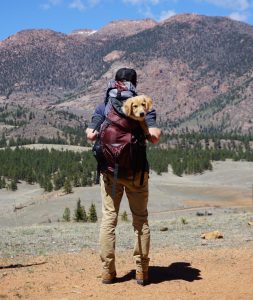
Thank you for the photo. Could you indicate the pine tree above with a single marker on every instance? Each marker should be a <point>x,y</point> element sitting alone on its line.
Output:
<point>67,186</point>
<point>66,214</point>
<point>13,185</point>
<point>124,216</point>
<point>30,177</point>
<point>48,186</point>
<point>58,181</point>
<point>1,183</point>
<point>93,214</point>
<point>80,213</point>
<point>76,181</point>
<point>83,180</point>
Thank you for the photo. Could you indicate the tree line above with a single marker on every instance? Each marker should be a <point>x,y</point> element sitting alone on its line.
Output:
<point>193,153</point>
<point>51,169</point>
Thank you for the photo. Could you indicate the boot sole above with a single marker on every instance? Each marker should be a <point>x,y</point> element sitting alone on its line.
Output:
<point>109,281</point>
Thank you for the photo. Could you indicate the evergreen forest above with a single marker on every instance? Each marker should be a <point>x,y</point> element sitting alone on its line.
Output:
<point>51,169</point>
<point>186,154</point>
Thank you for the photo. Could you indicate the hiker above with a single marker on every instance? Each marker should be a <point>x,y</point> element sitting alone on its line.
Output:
<point>131,175</point>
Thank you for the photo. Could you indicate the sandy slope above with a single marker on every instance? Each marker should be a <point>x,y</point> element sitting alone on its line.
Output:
<point>200,274</point>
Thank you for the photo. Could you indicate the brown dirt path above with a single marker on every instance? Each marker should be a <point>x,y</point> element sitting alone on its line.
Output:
<point>203,273</point>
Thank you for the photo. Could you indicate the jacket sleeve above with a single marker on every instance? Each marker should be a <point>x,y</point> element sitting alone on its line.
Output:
<point>98,117</point>
<point>151,119</point>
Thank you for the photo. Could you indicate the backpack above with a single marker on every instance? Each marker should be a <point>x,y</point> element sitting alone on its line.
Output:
<point>120,148</point>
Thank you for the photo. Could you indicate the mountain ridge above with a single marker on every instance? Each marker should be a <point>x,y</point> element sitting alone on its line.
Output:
<point>184,62</point>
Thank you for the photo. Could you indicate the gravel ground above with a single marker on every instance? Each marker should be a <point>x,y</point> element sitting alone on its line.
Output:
<point>183,232</point>
<point>173,204</point>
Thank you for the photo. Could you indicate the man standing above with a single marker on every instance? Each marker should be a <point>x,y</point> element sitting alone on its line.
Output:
<point>135,183</point>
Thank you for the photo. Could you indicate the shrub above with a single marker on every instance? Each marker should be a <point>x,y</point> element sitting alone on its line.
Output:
<point>124,216</point>
<point>66,214</point>
<point>93,214</point>
<point>13,185</point>
<point>67,186</point>
<point>80,213</point>
<point>184,221</point>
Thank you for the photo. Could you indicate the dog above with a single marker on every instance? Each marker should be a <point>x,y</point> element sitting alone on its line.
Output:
<point>136,108</point>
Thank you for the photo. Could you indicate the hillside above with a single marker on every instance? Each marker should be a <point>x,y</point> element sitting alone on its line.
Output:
<point>187,63</point>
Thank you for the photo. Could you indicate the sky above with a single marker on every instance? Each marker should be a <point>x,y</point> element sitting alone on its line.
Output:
<point>68,15</point>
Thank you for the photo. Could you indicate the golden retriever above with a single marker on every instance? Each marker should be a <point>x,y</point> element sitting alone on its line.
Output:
<point>136,108</point>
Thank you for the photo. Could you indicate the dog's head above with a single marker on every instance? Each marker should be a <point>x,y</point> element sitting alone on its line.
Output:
<point>137,107</point>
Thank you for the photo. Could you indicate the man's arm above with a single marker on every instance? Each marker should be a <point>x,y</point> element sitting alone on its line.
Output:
<point>153,130</point>
<point>91,134</point>
<point>96,121</point>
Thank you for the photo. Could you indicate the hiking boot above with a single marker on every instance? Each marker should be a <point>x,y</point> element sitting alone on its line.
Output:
<point>109,278</point>
<point>142,278</point>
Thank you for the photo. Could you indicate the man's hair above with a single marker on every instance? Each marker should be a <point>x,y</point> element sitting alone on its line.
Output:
<point>126,74</point>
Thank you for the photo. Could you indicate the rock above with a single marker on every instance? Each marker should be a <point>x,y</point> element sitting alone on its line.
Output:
<point>199,213</point>
<point>212,235</point>
<point>164,229</point>
<point>250,223</point>
<point>206,213</point>
<point>17,207</point>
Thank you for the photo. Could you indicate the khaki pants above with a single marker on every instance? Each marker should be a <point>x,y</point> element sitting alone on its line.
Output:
<point>138,199</point>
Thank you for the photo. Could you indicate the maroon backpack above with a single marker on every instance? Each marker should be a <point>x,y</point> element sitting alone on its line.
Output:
<point>121,147</point>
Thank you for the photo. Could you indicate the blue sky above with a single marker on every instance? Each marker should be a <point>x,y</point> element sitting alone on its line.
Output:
<point>67,15</point>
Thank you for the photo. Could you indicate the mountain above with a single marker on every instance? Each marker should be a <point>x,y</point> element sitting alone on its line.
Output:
<point>198,69</point>
<point>116,29</point>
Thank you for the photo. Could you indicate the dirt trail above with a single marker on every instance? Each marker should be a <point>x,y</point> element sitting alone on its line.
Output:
<point>175,274</point>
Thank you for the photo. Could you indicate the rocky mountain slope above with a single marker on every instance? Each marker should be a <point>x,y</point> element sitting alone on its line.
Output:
<point>198,69</point>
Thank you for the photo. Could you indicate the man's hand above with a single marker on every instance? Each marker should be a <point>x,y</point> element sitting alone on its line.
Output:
<point>91,134</point>
<point>154,136</point>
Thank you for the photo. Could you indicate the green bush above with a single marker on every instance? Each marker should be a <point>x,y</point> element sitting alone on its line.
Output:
<point>93,214</point>
<point>124,216</point>
<point>66,214</point>
<point>80,213</point>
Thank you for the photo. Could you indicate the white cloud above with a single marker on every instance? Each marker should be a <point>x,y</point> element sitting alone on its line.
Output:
<point>134,2</point>
<point>94,2</point>
<point>147,13</point>
<point>77,4</point>
<point>45,6</point>
<point>230,4</point>
<point>238,16</point>
<point>55,2</point>
<point>50,4</point>
<point>165,14</point>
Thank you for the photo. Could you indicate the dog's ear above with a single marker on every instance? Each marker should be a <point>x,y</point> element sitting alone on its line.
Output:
<point>127,107</point>
<point>149,103</point>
